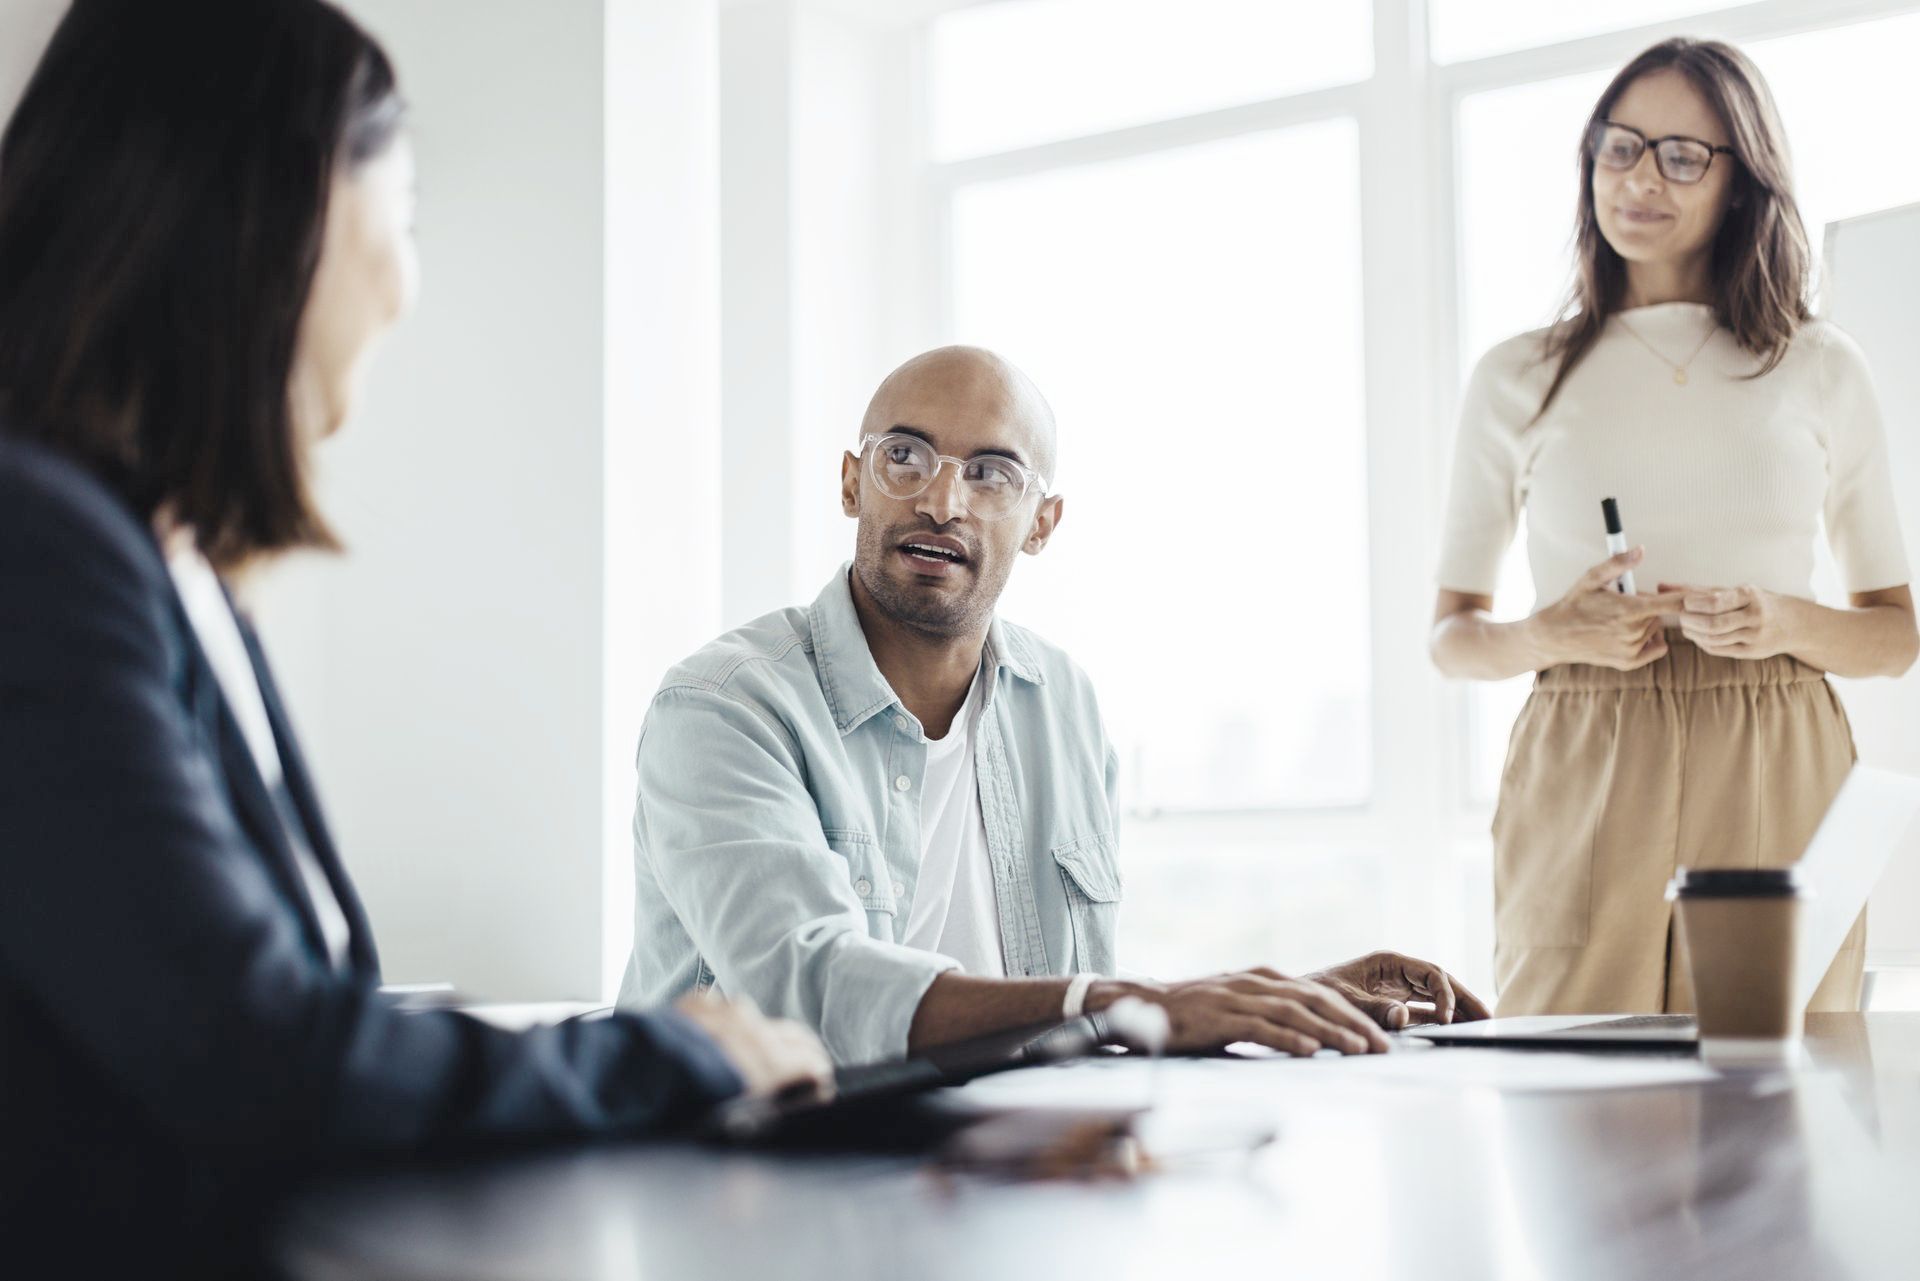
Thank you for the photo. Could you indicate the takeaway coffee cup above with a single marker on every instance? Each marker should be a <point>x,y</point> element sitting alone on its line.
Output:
<point>1740,933</point>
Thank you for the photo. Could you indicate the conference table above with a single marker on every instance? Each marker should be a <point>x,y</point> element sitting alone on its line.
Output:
<point>1426,1162</point>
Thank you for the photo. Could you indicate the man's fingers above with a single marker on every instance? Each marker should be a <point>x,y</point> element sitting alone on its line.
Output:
<point>1260,1032</point>
<point>1427,981</point>
<point>1360,1017</point>
<point>1470,1007</point>
<point>1440,989</point>
<point>1451,999</point>
<point>1388,1012</point>
<point>1290,1013</point>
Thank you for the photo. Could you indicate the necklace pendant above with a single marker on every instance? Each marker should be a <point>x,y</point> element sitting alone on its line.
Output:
<point>1680,377</point>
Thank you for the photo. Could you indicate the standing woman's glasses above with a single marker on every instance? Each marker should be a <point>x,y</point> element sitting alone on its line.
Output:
<point>1683,160</point>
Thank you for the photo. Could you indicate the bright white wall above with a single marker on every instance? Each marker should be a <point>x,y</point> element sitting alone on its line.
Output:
<point>529,491</point>
<point>756,284</point>
<point>449,667</point>
<point>662,482</point>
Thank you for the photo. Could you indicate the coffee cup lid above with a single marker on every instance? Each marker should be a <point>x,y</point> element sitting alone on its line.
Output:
<point>1736,882</point>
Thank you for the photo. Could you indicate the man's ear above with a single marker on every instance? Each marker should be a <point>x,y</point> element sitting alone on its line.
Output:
<point>1045,521</point>
<point>850,484</point>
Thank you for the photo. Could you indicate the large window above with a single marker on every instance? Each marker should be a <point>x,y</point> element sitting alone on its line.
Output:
<point>1197,328</point>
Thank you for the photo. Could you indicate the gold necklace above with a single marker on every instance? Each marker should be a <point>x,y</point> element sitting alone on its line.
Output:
<point>1680,370</point>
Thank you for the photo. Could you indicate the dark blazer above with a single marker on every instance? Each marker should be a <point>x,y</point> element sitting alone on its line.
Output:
<point>175,1048</point>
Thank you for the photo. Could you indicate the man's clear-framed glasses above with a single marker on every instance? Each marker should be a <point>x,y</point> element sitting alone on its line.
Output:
<point>904,466</point>
<point>1680,159</point>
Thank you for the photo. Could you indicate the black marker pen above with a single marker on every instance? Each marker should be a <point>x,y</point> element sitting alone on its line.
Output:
<point>1616,542</point>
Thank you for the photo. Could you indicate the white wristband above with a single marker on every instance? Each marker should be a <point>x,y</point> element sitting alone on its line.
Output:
<point>1075,1004</point>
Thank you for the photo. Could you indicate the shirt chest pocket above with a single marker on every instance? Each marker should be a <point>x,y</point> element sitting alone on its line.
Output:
<point>870,880</point>
<point>1090,876</point>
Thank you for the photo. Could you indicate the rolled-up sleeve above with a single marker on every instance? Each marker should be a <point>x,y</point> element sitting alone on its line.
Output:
<point>731,835</point>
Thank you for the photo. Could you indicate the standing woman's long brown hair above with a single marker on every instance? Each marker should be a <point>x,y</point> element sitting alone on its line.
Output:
<point>1761,263</point>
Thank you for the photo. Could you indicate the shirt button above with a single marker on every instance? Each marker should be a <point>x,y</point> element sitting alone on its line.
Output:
<point>863,887</point>
<point>903,722</point>
<point>902,783</point>
<point>899,890</point>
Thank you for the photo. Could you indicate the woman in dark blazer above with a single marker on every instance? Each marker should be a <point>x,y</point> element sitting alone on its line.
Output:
<point>204,223</point>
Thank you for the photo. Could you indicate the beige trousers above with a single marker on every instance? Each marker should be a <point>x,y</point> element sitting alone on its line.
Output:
<point>1615,778</point>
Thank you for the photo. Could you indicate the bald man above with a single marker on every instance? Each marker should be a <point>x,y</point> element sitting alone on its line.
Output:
<point>891,814</point>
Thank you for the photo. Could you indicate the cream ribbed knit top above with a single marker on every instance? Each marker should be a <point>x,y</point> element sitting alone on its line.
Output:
<point>1726,479</point>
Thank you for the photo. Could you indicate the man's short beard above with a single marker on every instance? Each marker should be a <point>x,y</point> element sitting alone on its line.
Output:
<point>923,612</point>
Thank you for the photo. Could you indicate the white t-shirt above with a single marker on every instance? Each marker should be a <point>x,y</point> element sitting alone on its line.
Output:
<point>955,911</point>
<point>219,635</point>
<point>1726,479</point>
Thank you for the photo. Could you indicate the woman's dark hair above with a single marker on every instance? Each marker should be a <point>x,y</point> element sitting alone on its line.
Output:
<point>1761,263</point>
<point>163,194</point>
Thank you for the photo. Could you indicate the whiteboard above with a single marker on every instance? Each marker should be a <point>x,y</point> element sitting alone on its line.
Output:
<point>1872,290</point>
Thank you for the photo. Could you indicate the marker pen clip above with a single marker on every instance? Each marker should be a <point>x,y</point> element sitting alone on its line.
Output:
<point>1616,543</point>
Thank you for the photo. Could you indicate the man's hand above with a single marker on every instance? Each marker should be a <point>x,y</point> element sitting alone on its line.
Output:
<point>771,1055</point>
<point>1390,987</point>
<point>1263,1006</point>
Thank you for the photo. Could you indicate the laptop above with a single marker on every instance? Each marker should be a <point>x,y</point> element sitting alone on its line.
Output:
<point>1870,818</point>
<point>871,1090</point>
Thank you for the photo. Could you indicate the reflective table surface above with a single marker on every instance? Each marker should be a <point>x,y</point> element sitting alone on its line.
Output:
<point>1431,1163</point>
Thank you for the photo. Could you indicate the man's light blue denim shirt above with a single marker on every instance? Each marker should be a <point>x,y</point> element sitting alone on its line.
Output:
<point>776,838</point>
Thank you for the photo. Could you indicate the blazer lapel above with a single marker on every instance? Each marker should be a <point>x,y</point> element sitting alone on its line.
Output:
<point>306,802</point>
<point>248,790</point>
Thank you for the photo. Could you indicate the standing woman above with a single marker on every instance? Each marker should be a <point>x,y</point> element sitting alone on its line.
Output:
<point>1688,379</point>
<point>204,224</point>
